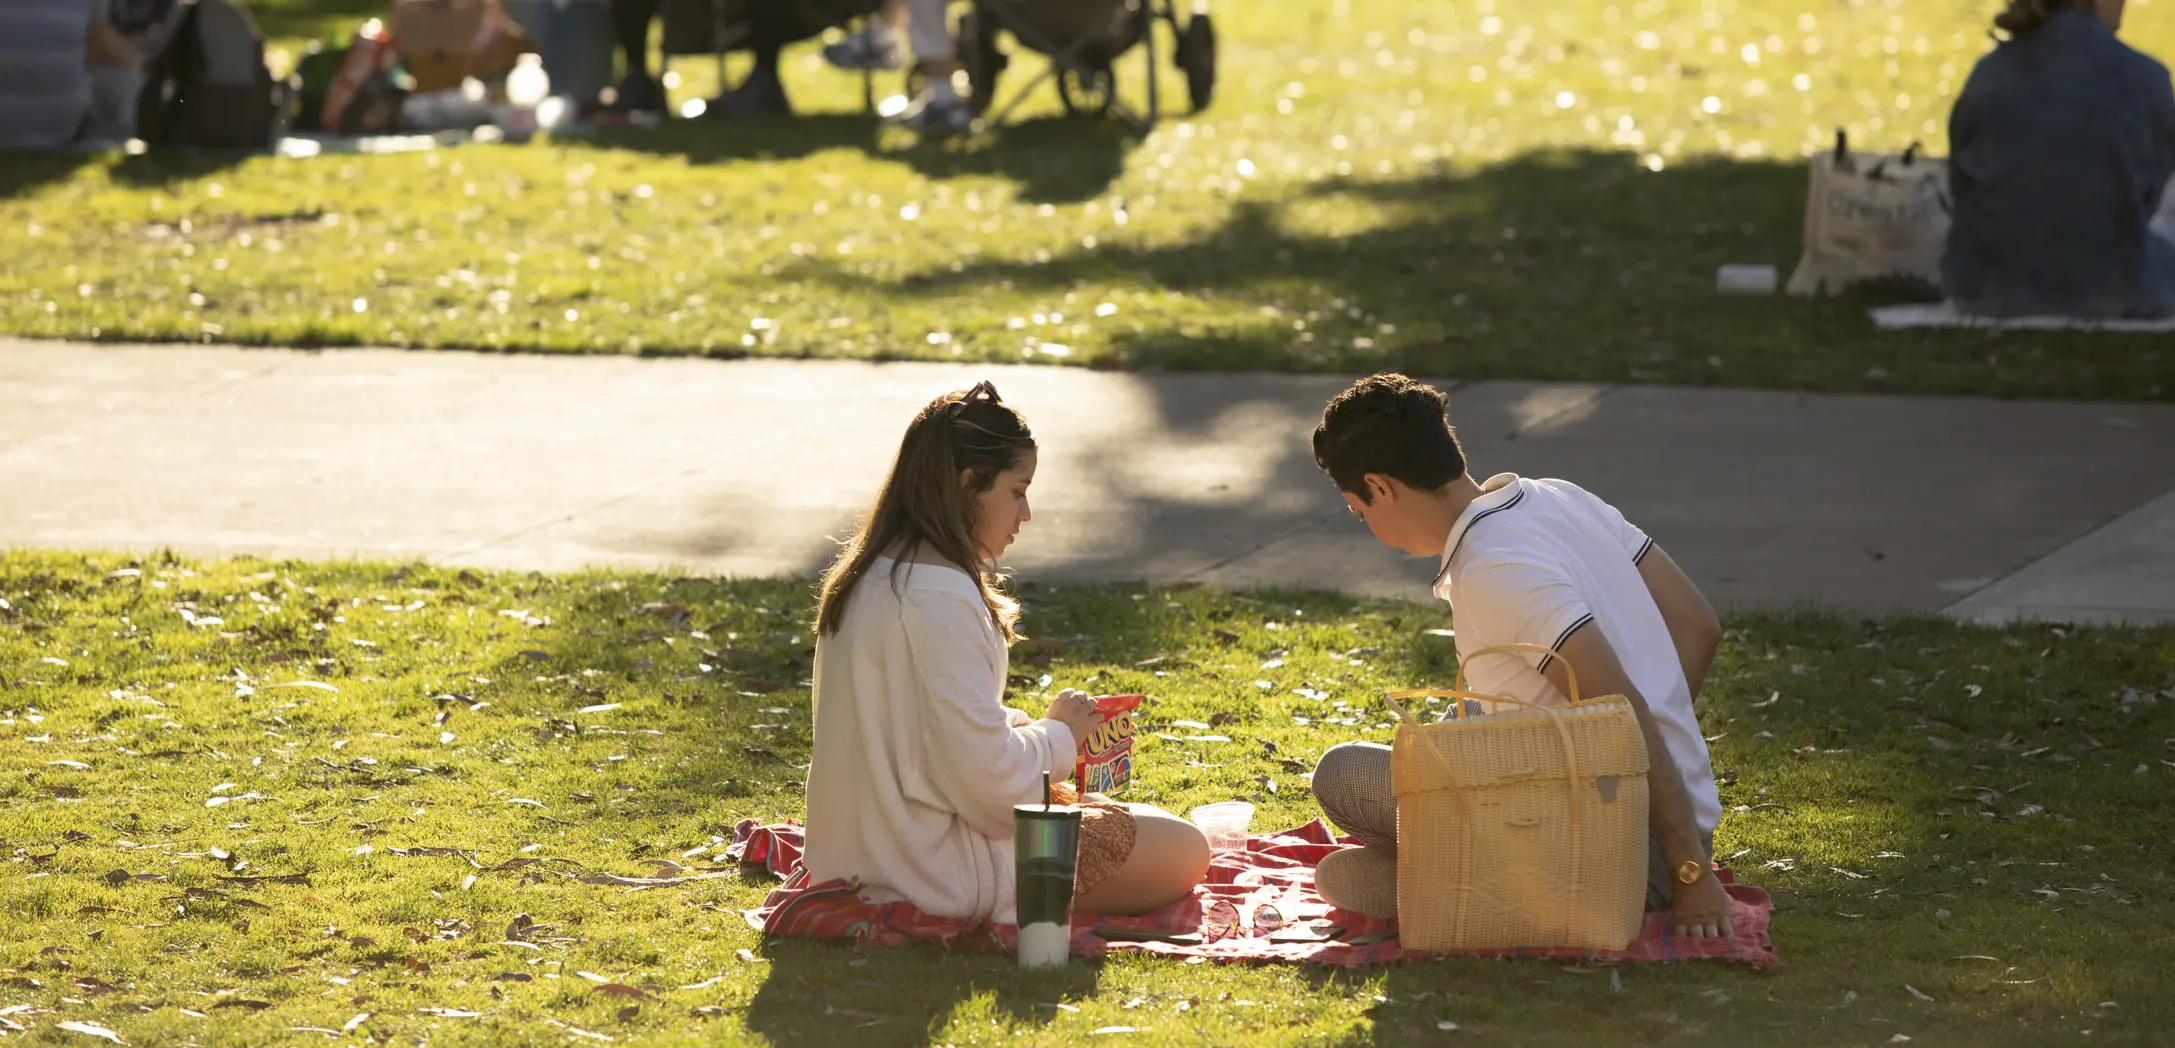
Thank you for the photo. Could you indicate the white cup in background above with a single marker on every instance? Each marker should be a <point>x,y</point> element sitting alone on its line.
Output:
<point>1745,280</point>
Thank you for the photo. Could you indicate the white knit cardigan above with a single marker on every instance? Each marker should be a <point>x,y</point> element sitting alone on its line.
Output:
<point>917,760</point>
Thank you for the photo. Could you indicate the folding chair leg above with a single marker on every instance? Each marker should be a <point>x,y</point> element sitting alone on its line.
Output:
<point>1020,97</point>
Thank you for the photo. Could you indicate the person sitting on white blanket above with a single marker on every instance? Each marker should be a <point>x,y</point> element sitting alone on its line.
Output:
<point>2063,143</point>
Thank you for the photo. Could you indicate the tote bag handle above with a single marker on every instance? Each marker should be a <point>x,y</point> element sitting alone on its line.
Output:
<point>1570,672</point>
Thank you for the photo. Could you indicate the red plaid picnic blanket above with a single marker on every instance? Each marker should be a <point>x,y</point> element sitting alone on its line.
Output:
<point>1246,897</point>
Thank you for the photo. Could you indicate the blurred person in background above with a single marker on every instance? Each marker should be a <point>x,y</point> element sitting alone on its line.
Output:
<point>48,49</point>
<point>637,90</point>
<point>2064,144</point>
<point>115,60</point>
<point>939,110</point>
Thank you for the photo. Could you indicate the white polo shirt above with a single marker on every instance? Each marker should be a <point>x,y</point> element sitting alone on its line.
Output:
<point>1532,561</point>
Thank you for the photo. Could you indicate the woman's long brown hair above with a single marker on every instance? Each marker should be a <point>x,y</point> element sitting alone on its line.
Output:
<point>922,502</point>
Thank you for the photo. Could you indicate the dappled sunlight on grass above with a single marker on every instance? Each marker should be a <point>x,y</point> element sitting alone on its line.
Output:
<point>437,773</point>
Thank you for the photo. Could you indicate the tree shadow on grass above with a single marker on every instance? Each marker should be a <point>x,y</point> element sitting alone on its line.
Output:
<point>827,993</point>
<point>1051,159</point>
<point>1580,263</point>
<point>1573,265</point>
<point>163,167</point>
<point>22,172</point>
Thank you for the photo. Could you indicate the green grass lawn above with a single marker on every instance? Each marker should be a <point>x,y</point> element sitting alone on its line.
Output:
<point>1444,186</point>
<point>1965,829</point>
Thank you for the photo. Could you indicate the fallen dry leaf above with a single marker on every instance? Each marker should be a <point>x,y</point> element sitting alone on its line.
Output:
<point>613,989</point>
<point>92,1029</point>
<point>358,1020</point>
<point>578,1031</point>
<point>705,984</point>
<point>629,1012</point>
<point>448,1013</point>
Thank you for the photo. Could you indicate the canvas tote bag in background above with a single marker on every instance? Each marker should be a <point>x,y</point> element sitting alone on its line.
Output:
<point>1525,827</point>
<point>1869,216</point>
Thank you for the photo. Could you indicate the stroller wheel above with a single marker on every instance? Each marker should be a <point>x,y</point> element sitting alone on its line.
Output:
<point>1087,92</point>
<point>1197,59</point>
<point>977,44</point>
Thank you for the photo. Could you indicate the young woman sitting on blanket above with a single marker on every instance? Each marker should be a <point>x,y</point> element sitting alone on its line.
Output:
<point>2063,143</point>
<point>917,760</point>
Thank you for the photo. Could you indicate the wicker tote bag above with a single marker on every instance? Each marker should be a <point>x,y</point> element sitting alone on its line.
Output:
<point>1525,827</point>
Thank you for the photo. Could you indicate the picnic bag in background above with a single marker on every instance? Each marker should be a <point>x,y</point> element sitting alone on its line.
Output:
<point>1524,827</point>
<point>208,86</point>
<point>1872,217</point>
<point>1106,755</point>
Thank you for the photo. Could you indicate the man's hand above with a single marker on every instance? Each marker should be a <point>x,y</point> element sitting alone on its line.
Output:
<point>1701,910</point>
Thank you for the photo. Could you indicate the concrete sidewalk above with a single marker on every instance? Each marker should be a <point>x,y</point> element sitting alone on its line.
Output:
<point>1992,509</point>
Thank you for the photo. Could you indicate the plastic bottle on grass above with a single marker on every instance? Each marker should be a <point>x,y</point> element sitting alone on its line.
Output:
<point>526,88</point>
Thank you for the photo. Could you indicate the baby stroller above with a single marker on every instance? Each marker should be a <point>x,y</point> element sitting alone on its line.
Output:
<point>1083,40</point>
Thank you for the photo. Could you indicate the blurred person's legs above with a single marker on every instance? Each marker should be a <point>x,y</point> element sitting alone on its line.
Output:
<point>113,103</point>
<point>762,92</point>
<point>114,65</point>
<point>939,110</point>
<point>637,89</point>
<point>876,45</point>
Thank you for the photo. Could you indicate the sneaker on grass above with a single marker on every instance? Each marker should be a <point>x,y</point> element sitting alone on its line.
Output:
<point>938,117</point>
<point>637,93</point>
<point>762,94</point>
<point>874,47</point>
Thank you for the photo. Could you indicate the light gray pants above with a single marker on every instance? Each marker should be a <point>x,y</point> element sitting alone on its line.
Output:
<point>1352,783</point>
<point>113,103</point>
<point>928,31</point>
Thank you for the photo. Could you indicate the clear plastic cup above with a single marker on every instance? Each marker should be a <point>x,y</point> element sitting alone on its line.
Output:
<point>1224,823</point>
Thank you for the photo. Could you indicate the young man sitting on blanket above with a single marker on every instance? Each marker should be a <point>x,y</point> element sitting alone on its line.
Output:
<point>1524,561</point>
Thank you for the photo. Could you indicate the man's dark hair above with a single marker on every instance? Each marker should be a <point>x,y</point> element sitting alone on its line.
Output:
<point>1392,425</point>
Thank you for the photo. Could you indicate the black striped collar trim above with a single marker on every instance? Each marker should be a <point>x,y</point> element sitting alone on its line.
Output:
<point>1561,638</point>
<point>1476,512</point>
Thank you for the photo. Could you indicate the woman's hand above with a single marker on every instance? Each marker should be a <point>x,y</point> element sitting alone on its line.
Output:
<point>1074,709</point>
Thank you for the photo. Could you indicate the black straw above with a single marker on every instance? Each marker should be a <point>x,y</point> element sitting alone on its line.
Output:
<point>1045,789</point>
